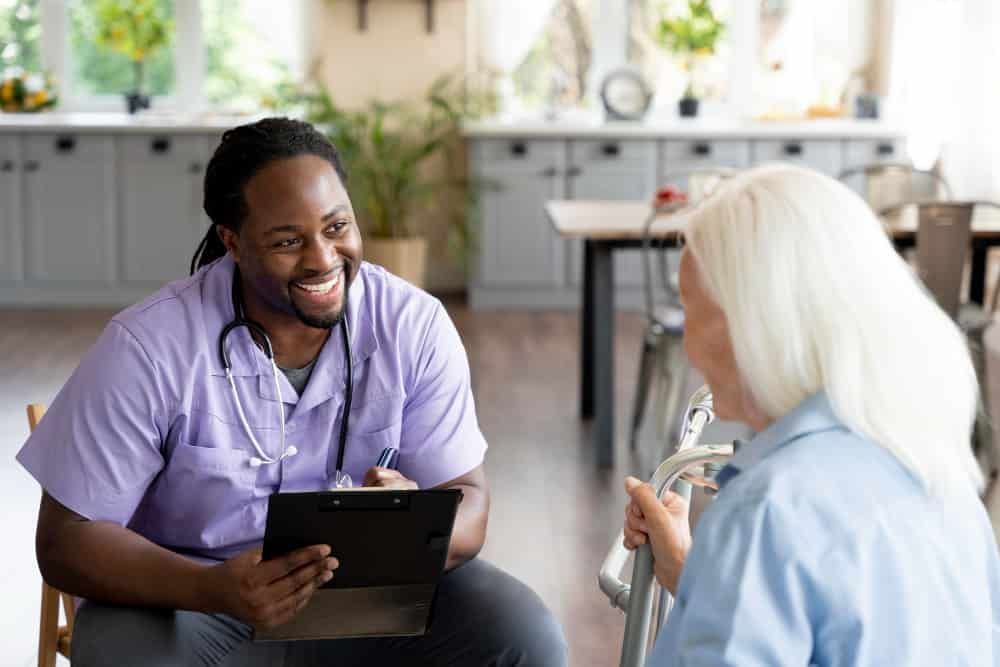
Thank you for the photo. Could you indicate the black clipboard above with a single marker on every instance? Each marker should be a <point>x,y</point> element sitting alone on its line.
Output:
<point>392,546</point>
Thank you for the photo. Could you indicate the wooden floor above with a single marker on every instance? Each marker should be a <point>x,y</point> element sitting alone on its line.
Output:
<point>554,513</point>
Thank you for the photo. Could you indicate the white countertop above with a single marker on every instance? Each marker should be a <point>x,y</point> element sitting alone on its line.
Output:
<point>143,122</point>
<point>846,128</point>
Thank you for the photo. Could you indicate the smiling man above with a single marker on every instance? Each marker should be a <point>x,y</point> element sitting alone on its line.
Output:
<point>156,470</point>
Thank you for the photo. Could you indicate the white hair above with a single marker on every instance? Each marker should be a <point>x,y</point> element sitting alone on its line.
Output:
<point>816,298</point>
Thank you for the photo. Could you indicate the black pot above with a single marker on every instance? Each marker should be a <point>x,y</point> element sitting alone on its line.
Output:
<point>136,102</point>
<point>688,107</point>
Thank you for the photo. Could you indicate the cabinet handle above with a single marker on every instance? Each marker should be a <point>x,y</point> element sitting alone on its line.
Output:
<point>793,149</point>
<point>885,149</point>
<point>549,172</point>
<point>574,171</point>
<point>702,149</point>
<point>611,150</point>
<point>65,144</point>
<point>194,168</point>
<point>7,166</point>
<point>31,166</point>
<point>518,149</point>
<point>160,145</point>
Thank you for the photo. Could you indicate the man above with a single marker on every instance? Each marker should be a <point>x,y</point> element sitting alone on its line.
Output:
<point>156,471</point>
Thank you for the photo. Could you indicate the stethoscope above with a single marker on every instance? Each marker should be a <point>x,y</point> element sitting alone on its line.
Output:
<point>341,479</point>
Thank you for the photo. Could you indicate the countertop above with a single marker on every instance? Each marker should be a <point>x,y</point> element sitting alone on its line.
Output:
<point>142,123</point>
<point>846,128</point>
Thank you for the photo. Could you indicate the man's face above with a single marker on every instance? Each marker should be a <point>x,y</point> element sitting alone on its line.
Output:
<point>299,247</point>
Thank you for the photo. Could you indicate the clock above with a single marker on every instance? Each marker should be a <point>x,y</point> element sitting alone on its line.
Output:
<point>625,95</point>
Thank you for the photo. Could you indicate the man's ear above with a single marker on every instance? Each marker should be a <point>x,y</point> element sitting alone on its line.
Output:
<point>230,240</point>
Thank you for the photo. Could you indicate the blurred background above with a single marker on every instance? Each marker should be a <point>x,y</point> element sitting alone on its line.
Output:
<point>505,156</point>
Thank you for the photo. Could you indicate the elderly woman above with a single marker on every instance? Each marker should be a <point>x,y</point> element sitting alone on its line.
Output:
<point>848,531</point>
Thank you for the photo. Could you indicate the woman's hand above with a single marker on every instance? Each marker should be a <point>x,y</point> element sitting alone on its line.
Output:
<point>664,525</point>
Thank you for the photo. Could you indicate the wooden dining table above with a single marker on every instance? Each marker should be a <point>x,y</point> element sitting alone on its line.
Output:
<point>606,226</point>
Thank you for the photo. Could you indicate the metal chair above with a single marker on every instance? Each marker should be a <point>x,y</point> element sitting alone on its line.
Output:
<point>52,638</point>
<point>944,234</point>
<point>662,364</point>
<point>888,184</point>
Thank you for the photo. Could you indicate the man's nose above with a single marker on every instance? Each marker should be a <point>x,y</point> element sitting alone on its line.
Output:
<point>320,255</point>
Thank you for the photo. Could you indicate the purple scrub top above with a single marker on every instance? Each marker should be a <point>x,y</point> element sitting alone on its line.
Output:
<point>145,432</point>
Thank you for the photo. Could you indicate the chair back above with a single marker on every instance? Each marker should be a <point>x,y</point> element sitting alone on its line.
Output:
<point>944,233</point>
<point>888,184</point>
<point>52,638</point>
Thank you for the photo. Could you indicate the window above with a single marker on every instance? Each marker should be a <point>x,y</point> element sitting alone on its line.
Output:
<point>249,49</point>
<point>709,77</point>
<point>221,53</point>
<point>20,36</point>
<point>98,71</point>
<point>555,71</point>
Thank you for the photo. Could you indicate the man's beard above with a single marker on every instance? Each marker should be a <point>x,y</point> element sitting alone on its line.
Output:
<point>324,321</point>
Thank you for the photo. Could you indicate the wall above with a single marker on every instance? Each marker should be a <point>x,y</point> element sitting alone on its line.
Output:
<point>395,58</point>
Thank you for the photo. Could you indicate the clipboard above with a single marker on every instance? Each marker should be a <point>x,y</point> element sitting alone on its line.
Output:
<point>392,546</point>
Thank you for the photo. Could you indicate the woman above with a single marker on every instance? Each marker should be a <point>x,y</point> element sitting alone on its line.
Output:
<point>848,531</point>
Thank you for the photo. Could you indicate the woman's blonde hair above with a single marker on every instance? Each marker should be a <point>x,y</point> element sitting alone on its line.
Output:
<point>817,299</point>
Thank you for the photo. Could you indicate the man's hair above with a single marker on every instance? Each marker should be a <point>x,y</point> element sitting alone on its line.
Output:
<point>817,299</point>
<point>243,152</point>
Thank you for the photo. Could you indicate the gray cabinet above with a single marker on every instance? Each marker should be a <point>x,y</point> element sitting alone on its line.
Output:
<point>518,246</point>
<point>823,155</point>
<point>160,201</point>
<point>68,208</point>
<point>610,169</point>
<point>678,158</point>
<point>11,243</point>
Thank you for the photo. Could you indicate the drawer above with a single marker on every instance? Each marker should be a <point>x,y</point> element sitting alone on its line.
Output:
<point>688,155</point>
<point>160,147</point>
<point>516,151</point>
<point>612,153</point>
<point>862,152</point>
<point>825,155</point>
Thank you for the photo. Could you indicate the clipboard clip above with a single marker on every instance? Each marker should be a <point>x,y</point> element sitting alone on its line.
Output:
<point>363,500</point>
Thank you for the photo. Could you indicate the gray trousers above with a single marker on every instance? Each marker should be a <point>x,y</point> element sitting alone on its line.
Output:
<point>483,616</point>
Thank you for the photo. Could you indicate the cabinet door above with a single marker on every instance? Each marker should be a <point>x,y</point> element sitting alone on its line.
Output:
<point>161,205</point>
<point>69,206</point>
<point>864,152</point>
<point>678,158</point>
<point>824,155</point>
<point>611,169</point>
<point>518,245</point>
<point>10,208</point>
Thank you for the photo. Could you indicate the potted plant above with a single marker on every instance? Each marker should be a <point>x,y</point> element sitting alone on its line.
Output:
<point>135,29</point>
<point>404,160</point>
<point>690,33</point>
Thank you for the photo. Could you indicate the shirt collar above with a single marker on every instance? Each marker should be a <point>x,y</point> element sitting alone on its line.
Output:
<point>247,359</point>
<point>812,415</point>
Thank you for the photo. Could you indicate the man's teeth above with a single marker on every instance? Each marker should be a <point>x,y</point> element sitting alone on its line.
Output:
<point>320,288</point>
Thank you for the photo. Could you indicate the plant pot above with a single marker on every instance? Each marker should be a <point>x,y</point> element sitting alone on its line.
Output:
<point>406,257</point>
<point>136,102</point>
<point>687,107</point>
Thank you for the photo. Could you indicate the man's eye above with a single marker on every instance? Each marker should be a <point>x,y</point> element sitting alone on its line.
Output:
<point>339,226</point>
<point>286,243</point>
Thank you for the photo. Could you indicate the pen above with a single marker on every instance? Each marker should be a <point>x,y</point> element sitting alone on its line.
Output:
<point>388,458</point>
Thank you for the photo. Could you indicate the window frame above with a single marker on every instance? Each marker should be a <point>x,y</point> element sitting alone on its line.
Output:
<point>187,52</point>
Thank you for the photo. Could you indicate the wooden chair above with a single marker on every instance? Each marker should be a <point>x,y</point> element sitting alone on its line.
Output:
<point>52,637</point>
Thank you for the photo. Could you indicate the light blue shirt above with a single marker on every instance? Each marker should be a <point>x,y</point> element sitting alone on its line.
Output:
<point>822,549</point>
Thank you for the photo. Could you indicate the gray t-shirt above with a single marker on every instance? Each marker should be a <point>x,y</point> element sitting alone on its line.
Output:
<point>298,377</point>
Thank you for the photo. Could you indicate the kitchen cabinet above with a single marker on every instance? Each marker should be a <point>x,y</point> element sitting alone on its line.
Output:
<point>68,208</point>
<point>11,243</point>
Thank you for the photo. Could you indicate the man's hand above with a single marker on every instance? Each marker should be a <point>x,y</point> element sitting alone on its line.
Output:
<point>269,593</point>
<point>388,478</point>
<point>664,525</point>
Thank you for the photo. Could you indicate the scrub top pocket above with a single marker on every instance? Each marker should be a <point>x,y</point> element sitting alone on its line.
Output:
<point>203,495</point>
